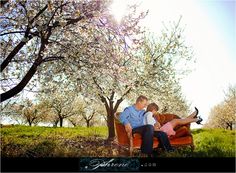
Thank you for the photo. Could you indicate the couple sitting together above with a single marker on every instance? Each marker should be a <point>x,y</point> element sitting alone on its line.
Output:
<point>137,120</point>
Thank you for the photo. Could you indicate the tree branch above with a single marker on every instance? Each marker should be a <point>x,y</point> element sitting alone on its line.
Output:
<point>12,92</point>
<point>103,99</point>
<point>22,43</point>
<point>52,58</point>
<point>13,32</point>
<point>14,52</point>
<point>92,115</point>
<point>39,13</point>
<point>118,104</point>
<point>127,92</point>
<point>98,86</point>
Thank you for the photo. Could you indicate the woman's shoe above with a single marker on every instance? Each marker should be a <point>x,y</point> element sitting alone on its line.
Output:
<point>199,120</point>
<point>196,112</point>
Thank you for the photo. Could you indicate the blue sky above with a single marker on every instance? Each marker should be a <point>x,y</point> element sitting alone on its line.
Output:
<point>223,16</point>
<point>218,73</point>
<point>210,28</point>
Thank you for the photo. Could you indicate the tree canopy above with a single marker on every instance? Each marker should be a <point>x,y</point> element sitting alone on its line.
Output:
<point>78,47</point>
<point>52,33</point>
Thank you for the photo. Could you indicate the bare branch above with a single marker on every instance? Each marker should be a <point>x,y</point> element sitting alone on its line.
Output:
<point>52,58</point>
<point>13,32</point>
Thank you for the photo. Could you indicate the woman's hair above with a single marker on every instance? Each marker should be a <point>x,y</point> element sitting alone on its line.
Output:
<point>152,106</point>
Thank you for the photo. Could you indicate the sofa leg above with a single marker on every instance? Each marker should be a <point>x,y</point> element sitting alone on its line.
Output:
<point>119,150</point>
<point>131,151</point>
<point>131,148</point>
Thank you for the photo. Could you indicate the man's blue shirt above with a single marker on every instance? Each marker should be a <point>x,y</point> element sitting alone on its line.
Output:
<point>133,116</point>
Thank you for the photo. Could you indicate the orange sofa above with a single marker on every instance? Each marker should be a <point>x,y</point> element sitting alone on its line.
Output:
<point>183,136</point>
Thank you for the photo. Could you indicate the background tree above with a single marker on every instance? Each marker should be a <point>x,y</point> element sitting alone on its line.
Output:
<point>29,112</point>
<point>24,112</point>
<point>150,70</point>
<point>100,118</point>
<point>62,104</point>
<point>51,117</point>
<point>89,116</point>
<point>9,112</point>
<point>93,113</point>
<point>163,62</point>
<point>223,115</point>
<point>77,119</point>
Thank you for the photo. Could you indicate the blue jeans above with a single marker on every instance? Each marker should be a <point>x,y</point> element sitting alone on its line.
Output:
<point>164,140</point>
<point>146,132</point>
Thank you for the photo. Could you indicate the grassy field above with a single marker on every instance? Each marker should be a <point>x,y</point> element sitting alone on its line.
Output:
<point>24,141</point>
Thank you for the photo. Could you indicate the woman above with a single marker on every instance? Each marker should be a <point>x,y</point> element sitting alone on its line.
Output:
<point>168,128</point>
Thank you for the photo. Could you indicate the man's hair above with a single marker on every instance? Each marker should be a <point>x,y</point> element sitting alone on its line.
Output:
<point>141,98</point>
<point>152,106</point>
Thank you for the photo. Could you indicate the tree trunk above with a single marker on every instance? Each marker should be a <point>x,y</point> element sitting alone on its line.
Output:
<point>30,123</point>
<point>74,124</point>
<point>55,123</point>
<point>61,122</point>
<point>88,125</point>
<point>111,108</point>
<point>111,128</point>
<point>231,126</point>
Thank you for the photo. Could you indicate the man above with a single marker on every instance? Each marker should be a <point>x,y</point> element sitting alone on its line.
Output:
<point>132,118</point>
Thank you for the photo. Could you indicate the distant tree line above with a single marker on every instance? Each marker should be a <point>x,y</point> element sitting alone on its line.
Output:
<point>223,115</point>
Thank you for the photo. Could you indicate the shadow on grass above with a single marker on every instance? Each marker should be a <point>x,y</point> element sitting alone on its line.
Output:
<point>43,149</point>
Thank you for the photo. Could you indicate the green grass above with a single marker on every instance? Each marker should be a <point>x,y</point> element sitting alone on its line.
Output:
<point>217,142</point>
<point>208,143</point>
<point>24,141</point>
